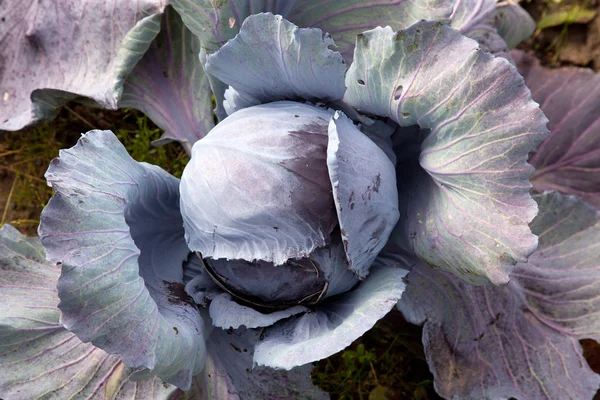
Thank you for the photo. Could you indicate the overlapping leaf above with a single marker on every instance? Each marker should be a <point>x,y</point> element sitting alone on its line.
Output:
<point>115,226</point>
<point>520,340</point>
<point>497,26</point>
<point>468,205</point>
<point>569,160</point>
<point>170,86</point>
<point>343,20</point>
<point>229,373</point>
<point>38,356</point>
<point>333,324</point>
<point>513,23</point>
<point>272,59</point>
<point>364,189</point>
<point>50,54</point>
<point>215,22</point>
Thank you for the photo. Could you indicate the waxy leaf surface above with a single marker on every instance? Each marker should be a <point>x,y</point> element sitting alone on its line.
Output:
<point>569,160</point>
<point>257,186</point>
<point>271,59</point>
<point>520,340</point>
<point>52,53</point>
<point>332,325</point>
<point>115,226</point>
<point>467,204</point>
<point>364,189</point>
<point>170,86</point>
<point>39,358</point>
<point>230,373</point>
<point>215,22</point>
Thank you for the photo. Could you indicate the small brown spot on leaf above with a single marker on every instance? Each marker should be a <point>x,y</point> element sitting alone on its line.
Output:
<point>176,294</point>
<point>235,347</point>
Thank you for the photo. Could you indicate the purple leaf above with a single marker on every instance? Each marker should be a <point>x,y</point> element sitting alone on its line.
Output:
<point>343,20</point>
<point>244,192</point>
<point>52,53</point>
<point>38,356</point>
<point>170,86</point>
<point>466,201</point>
<point>216,22</point>
<point>230,373</point>
<point>518,340</point>
<point>115,226</point>
<point>272,59</point>
<point>569,160</point>
<point>364,189</point>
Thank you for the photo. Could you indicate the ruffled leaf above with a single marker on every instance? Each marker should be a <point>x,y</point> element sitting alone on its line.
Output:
<point>115,226</point>
<point>245,192</point>
<point>38,356</point>
<point>469,205</point>
<point>569,160</point>
<point>272,59</point>
<point>169,84</point>
<point>519,340</point>
<point>229,372</point>
<point>332,325</point>
<point>364,190</point>
<point>51,54</point>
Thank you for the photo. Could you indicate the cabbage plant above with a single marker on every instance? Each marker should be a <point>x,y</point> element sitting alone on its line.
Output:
<point>333,172</point>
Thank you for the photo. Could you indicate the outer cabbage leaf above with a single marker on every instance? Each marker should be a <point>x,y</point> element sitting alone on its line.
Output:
<point>520,340</point>
<point>50,54</point>
<point>272,59</point>
<point>38,356</point>
<point>243,194</point>
<point>115,226</point>
<point>569,160</point>
<point>343,20</point>
<point>333,324</point>
<point>229,373</point>
<point>513,23</point>
<point>364,190</point>
<point>217,87</point>
<point>170,86</point>
<point>469,205</point>
<point>497,27</point>
<point>216,22</point>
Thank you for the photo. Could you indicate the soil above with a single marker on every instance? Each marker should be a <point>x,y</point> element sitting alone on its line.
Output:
<point>30,160</point>
<point>576,44</point>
